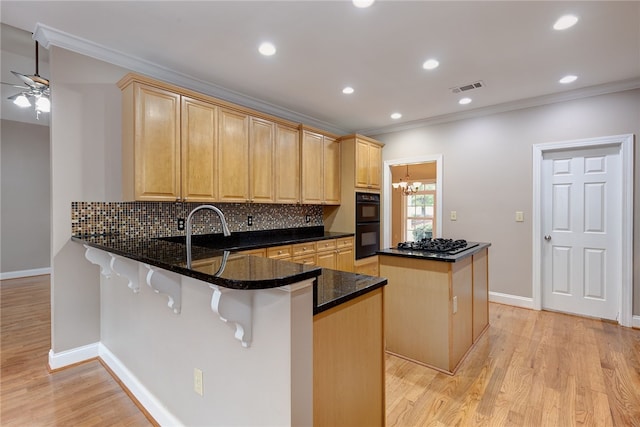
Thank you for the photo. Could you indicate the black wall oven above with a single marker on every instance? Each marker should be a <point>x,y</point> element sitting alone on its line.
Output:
<point>367,224</point>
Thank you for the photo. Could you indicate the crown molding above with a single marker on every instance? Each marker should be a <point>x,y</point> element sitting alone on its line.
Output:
<point>48,36</point>
<point>585,92</point>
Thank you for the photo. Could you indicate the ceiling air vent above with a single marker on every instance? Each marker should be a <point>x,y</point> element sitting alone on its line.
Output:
<point>467,87</point>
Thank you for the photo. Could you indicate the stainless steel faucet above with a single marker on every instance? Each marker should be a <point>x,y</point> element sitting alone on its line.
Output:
<point>225,227</point>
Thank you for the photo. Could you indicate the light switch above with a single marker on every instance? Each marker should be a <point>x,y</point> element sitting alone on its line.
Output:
<point>519,216</point>
<point>454,215</point>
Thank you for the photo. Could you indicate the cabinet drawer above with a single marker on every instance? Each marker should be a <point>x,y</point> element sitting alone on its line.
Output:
<point>326,245</point>
<point>309,259</point>
<point>256,252</point>
<point>344,242</point>
<point>304,248</point>
<point>278,252</point>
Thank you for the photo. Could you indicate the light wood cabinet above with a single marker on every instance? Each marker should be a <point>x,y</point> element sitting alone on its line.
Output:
<point>150,143</point>
<point>262,145</point>
<point>431,308</point>
<point>283,253</point>
<point>287,165</point>
<point>199,137</point>
<point>368,163</point>
<point>233,155</point>
<point>344,254</point>
<point>348,364</point>
<point>179,145</point>
<point>367,266</point>
<point>320,168</point>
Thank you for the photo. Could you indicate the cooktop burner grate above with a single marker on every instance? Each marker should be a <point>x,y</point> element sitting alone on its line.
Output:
<point>439,245</point>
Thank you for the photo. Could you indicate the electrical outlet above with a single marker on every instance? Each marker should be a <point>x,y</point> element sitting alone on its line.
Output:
<point>519,216</point>
<point>307,218</point>
<point>198,385</point>
<point>454,216</point>
<point>250,220</point>
<point>455,305</point>
<point>180,224</point>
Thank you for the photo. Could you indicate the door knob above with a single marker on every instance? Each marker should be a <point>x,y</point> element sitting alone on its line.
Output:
<point>547,237</point>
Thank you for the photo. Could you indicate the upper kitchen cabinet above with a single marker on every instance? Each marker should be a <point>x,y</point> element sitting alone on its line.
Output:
<point>287,164</point>
<point>233,152</point>
<point>366,156</point>
<point>320,168</point>
<point>262,144</point>
<point>168,144</point>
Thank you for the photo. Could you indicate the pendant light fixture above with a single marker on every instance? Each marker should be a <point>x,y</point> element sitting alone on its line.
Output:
<point>405,186</point>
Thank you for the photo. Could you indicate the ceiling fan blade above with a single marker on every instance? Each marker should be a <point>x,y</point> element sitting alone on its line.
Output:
<point>32,81</point>
<point>14,85</point>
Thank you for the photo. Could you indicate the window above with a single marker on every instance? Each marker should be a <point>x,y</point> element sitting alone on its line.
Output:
<point>419,213</point>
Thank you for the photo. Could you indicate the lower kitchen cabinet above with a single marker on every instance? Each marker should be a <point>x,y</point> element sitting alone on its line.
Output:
<point>368,266</point>
<point>348,364</point>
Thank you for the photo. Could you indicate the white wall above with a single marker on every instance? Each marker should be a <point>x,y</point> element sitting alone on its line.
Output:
<point>488,174</point>
<point>85,166</point>
<point>24,198</point>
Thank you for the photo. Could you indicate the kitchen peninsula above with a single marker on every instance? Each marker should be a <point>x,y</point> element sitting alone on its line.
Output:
<point>436,304</point>
<point>265,334</point>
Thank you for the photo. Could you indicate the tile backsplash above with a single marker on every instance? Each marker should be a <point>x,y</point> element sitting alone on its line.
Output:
<point>160,219</point>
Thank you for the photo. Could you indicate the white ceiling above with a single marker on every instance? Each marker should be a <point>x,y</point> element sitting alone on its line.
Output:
<point>326,45</point>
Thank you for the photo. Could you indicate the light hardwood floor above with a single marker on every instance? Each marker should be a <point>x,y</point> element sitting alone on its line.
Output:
<point>530,369</point>
<point>82,395</point>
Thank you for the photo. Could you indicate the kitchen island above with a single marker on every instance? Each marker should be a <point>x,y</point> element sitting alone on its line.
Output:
<point>232,340</point>
<point>435,304</point>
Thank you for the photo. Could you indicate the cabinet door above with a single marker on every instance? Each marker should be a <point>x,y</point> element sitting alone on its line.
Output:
<point>362,164</point>
<point>233,157</point>
<point>261,154</point>
<point>375,166</point>
<point>331,167</point>
<point>287,165</point>
<point>344,259</point>
<point>199,136</point>
<point>312,167</point>
<point>326,259</point>
<point>156,144</point>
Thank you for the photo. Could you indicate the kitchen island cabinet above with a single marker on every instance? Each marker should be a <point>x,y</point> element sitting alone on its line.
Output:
<point>435,307</point>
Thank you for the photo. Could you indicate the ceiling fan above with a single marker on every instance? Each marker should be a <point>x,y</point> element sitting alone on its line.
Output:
<point>36,90</point>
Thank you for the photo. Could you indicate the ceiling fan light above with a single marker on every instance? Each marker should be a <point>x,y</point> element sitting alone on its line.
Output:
<point>43,104</point>
<point>22,101</point>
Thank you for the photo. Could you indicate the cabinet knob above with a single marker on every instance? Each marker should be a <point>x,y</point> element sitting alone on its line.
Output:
<point>547,237</point>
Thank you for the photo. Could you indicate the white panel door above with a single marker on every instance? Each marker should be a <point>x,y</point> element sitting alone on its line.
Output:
<point>582,213</point>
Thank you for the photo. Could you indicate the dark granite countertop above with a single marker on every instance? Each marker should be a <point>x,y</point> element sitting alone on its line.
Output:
<point>259,239</point>
<point>336,287</point>
<point>434,256</point>
<point>242,271</point>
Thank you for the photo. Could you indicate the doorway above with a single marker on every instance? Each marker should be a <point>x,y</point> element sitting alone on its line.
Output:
<point>582,227</point>
<point>420,168</point>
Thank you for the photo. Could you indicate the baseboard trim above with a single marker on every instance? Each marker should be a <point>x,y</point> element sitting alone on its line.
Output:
<point>145,398</point>
<point>508,299</point>
<point>635,323</point>
<point>67,358</point>
<point>24,273</point>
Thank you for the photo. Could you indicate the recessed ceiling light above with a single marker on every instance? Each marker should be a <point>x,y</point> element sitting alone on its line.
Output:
<point>267,49</point>
<point>464,101</point>
<point>430,64</point>
<point>568,79</point>
<point>564,22</point>
<point>362,3</point>
<point>396,116</point>
<point>347,90</point>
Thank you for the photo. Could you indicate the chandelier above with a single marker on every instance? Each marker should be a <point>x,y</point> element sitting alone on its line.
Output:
<point>404,185</point>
